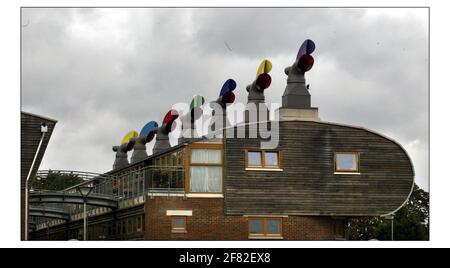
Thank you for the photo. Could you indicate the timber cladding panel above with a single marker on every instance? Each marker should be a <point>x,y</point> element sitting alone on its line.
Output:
<point>30,135</point>
<point>308,184</point>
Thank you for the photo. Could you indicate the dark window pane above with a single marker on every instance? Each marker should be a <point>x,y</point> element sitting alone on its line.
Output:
<point>273,226</point>
<point>179,223</point>
<point>346,162</point>
<point>138,222</point>
<point>271,158</point>
<point>254,159</point>
<point>339,227</point>
<point>256,226</point>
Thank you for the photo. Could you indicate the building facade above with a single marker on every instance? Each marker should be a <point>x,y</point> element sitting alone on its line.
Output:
<point>230,187</point>
<point>33,143</point>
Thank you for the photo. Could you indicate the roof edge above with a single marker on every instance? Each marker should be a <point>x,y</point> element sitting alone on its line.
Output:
<point>40,116</point>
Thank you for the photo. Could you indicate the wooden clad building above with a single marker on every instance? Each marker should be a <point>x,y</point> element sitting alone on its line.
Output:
<point>306,181</point>
<point>294,192</point>
<point>30,137</point>
<point>306,187</point>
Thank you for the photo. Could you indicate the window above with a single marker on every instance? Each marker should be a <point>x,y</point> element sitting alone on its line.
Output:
<point>206,156</point>
<point>180,158</point>
<point>271,159</point>
<point>263,159</point>
<point>206,179</point>
<point>205,173</point>
<point>124,227</point>
<point>265,227</point>
<point>257,226</point>
<point>339,229</point>
<point>139,223</point>
<point>274,227</point>
<point>255,159</point>
<point>130,225</point>
<point>178,224</point>
<point>346,162</point>
<point>119,228</point>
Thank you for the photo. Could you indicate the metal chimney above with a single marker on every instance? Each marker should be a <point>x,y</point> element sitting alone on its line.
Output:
<point>123,149</point>
<point>296,100</point>
<point>145,136</point>
<point>162,133</point>
<point>256,98</point>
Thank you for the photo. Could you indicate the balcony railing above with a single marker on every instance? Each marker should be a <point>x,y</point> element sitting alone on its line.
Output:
<point>150,180</point>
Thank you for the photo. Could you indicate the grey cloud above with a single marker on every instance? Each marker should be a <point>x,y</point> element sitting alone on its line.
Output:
<point>104,72</point>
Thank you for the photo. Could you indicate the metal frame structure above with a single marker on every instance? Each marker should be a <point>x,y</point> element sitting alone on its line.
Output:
<point>107,190</point>
<point>48,212</point>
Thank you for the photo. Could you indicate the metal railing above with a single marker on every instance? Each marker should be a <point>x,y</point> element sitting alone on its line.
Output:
<point>64,180</point>
<point>152,180</point>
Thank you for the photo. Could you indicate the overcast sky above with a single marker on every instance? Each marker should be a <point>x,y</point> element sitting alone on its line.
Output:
<point>103,72</point>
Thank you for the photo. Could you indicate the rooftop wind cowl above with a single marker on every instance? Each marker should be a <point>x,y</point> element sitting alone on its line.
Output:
<point>145,136</point>
<point>126,145</point>
<point>256,99</point>
<point>188,130</point>
<point>162,133</point>
<point>296,95</point>
<point>219,107</point>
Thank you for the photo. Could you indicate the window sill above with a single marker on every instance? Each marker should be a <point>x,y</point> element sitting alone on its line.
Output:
<point>346,173</point>
<point>265,237</point>
<point>179,231</point>
<point>203,195</point>
<point>181,213</point>
<point>265,216</point>
<point>264,169</point>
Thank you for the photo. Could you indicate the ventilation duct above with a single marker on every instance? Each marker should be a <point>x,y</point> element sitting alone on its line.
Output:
<point>256,99</point>
<point>162,133</point>
<point>122,150</point>
<point>145,136</point>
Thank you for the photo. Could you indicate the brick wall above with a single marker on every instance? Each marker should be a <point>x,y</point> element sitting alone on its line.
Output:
<point>308,228</point>
<point>208,222</point>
